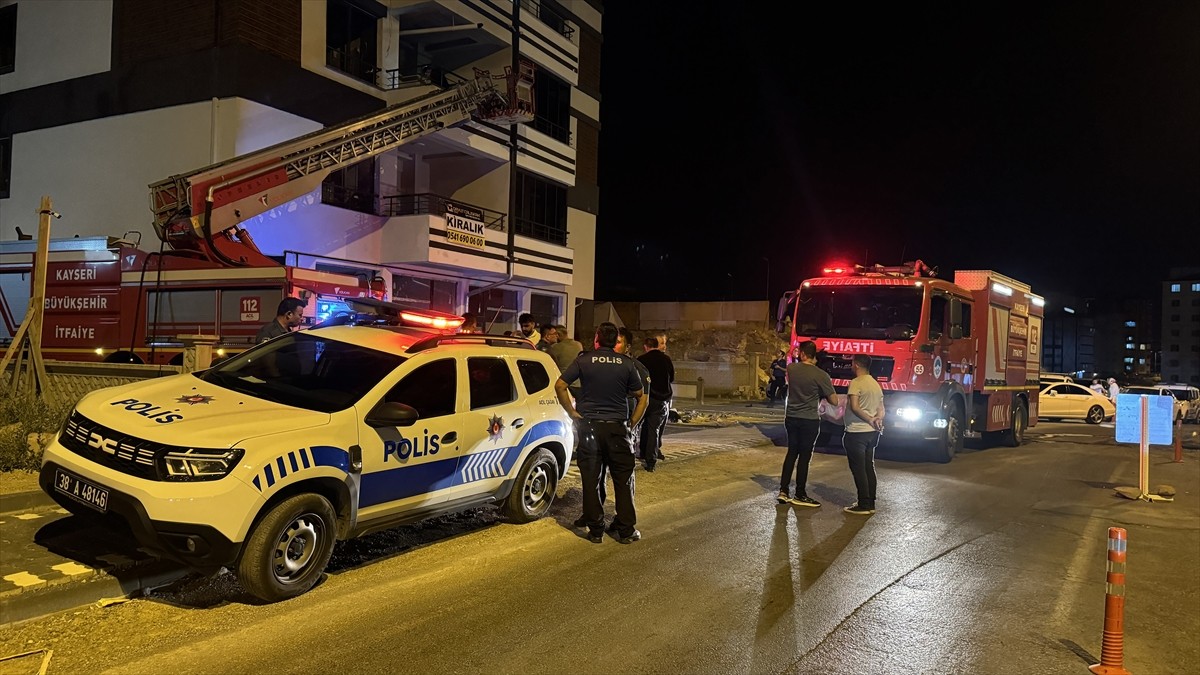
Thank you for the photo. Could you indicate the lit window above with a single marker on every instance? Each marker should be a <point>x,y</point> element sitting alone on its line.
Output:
<point>1142,361</point>
<point>1196,287</point>
<point>1131,324</point>
<point>1143,347</point>
<point>1174,288</point>
<point>1128,345</point>
<point>1128,359</point>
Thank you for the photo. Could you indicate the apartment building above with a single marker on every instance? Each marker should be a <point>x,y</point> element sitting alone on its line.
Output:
<point>102,98</point>
<point>1181,327</point>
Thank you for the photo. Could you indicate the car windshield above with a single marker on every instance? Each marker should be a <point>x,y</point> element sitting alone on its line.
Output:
<point>891,312</point>
<point>305,371</point>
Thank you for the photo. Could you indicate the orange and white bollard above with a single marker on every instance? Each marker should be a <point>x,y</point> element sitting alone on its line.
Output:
<point>1179,439</point>
<point>1112,650</point>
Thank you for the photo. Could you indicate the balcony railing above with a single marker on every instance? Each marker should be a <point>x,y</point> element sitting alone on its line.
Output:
<point>351,64</point>
<point>427,203</point>
<point>549,16</point>
<point>540,231</point>
<point>558,132</point>
<point>347,198</point>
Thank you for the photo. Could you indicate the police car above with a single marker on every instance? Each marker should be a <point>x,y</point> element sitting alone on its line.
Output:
<point>261,463</point>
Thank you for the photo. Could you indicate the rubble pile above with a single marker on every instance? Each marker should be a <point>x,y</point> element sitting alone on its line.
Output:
<point>732,345</point>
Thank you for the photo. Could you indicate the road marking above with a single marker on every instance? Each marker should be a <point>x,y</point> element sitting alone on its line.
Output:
<point>72,569</point>
<point>24,579</point>
<point>28,516</point>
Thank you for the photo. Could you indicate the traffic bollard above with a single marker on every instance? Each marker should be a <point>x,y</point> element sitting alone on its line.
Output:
<point>1112,651</point>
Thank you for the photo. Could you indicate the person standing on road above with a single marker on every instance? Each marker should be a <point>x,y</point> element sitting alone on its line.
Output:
<point>607,378</point>
<point>778,383</point>
<point>288,315</point>
<point>1113,389</point>
<point>807,385</point>
<point>1098,388</point>
<point>662,373</point>
<point>564,353</point>
<point>864,421</point>
<point>625,346</point>
<point>549,337</point>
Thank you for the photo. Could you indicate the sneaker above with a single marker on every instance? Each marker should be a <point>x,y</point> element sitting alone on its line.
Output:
<point>580,522</point>
<point>783,498</point>
<point>804,500</point>
<point>596,536</point>
<point>859,510</point>
<point>634,536</point>
<point>650,468</point>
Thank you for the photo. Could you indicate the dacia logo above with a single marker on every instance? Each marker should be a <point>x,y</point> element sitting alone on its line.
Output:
<point>99,442</point>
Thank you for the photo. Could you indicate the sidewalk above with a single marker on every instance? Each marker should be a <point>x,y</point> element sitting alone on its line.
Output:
<point>48,561</point>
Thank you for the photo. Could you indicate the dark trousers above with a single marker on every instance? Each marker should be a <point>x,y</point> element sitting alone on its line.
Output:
<point>860,454</point>
<point>802,438</point>
<point>653,423</point>
<point>776,389</point>
<point>613,450</point>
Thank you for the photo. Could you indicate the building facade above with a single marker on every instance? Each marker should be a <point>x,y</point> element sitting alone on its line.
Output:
<point>102,98</point>
<point>1181,327</point>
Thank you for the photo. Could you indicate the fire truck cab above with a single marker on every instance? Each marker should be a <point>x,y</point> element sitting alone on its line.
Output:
<point>955,360</point>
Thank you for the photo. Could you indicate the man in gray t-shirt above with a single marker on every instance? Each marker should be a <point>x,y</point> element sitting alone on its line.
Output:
<point>807,385</point>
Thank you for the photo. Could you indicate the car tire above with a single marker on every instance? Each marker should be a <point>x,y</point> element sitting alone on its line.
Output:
<point>951,442</point>
<point>1095,415</point>
<point>534,490</point>
<point>288,549</point>
<point>1015,435</point>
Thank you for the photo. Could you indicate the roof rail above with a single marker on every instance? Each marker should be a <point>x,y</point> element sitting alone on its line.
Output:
<point>471,338</point>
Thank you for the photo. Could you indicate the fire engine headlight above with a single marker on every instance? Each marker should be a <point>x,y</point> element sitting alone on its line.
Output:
<point>910,414</point>
<point>199,464</point>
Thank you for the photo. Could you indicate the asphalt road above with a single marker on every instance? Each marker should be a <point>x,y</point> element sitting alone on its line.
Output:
<point>993,563</point>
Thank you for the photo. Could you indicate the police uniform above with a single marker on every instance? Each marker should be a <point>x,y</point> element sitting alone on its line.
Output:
<point>607,379</point>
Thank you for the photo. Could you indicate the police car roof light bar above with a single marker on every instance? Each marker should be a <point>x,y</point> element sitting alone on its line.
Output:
<point>471,338</point>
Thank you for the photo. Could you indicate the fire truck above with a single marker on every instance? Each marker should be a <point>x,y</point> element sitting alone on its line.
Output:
<point>955,359</point>
<point>109,300</point>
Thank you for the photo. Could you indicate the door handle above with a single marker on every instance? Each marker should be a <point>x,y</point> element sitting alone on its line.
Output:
<point>451,437</point>
<point>518,423</point>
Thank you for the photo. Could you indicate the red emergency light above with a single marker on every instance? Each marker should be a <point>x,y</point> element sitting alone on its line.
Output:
<point>838,269</point>
<point>432,319</point>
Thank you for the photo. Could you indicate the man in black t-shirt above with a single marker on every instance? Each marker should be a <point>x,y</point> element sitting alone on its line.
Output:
<point>662,374</point>
<point>604,422</point>
<point>807,385</point>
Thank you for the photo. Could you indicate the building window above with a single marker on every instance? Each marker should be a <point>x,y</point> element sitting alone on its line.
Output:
<point>1128,359</point>
<point>353,187</point>
<point>1174,363</point>
<point>1174,288</point>
<point>1143,347</point>
<point>8,39</point>
<point>1175,303</point>
<point>1196,287</point>
<point>351,37</point>
<point>541,209</point>
<point>1128,345</point>
<point>545,308</point>
<point>552,100</point>
<point>1131,324</point>
<point>5,163</point>
<point>1174,348</point>
<point>1174,332</point>
<point>425,293</point>
<point>496,310</point>
<point>1174,317</point>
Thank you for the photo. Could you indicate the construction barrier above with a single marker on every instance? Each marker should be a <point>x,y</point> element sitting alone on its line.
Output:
<point>1112,651</point>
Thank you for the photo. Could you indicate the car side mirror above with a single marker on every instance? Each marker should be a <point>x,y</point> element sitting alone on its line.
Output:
<point>388,414</point>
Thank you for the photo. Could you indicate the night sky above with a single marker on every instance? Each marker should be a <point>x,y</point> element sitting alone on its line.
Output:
<point>1059,145</point>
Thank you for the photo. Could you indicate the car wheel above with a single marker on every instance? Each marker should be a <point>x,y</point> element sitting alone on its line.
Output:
<point>289,548</point>
<point>1095,415</point>
<point>534,490</point>
<point>951,442</point>
<point>1015,435</point>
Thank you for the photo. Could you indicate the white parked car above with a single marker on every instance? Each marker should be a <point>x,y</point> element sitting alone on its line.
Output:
<point>1180,404</point>
<point>261,463</point>
<point>1190,396</point>
<point>1067,400</point>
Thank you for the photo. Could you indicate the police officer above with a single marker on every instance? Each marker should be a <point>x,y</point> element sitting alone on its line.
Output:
<point>603,417</point>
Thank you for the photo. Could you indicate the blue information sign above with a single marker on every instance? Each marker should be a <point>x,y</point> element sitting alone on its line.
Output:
<point>1129,418</point>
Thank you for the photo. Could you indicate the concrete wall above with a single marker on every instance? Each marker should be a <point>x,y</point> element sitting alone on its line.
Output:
<point>699,315</point>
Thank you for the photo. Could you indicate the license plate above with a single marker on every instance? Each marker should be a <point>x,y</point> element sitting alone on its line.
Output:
<point>81,490</point>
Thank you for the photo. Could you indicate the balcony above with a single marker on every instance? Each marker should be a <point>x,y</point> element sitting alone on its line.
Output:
<point>431,204</point>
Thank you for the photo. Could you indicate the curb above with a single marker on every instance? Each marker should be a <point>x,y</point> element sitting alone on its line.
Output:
<point>65,594</point>
<point>23,501</point>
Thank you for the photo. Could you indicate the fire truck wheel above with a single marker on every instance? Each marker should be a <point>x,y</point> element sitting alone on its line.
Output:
<point>288,548</point>
<point>952,438</point>
<point>1095,415</point>
<point>1016,430</point>
<point>534,490</point>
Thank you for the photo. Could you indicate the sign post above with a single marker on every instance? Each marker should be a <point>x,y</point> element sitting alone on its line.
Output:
<point>1145,420</point>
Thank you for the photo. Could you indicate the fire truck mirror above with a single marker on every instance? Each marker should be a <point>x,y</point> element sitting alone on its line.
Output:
<point>956,331</point>
<point>956,316</point>
<point>926,348</point>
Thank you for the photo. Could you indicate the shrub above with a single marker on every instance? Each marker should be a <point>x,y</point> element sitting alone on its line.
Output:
<point>20,416</point>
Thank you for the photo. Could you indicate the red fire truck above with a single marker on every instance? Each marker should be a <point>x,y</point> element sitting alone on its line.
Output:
<point>955,360</point>
<point>108,300</point>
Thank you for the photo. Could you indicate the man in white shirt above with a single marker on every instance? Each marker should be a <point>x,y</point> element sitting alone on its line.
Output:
<point>864,421</point>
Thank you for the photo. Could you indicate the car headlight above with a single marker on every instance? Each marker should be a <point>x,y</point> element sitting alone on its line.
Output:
<point>198,464</point>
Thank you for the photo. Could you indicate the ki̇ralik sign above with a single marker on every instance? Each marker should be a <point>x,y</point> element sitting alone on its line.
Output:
<point>464,226</point>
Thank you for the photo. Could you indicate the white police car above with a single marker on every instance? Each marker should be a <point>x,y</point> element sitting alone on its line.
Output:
<point>260,463</point>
